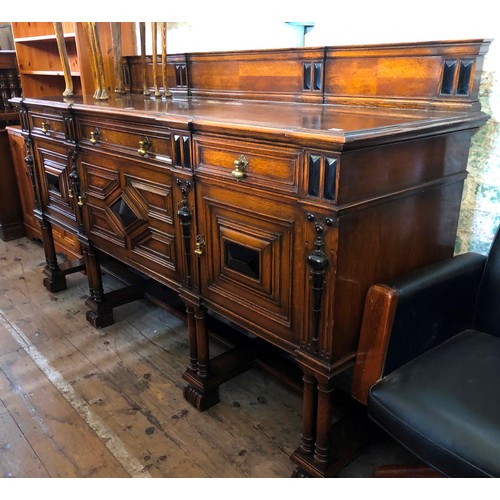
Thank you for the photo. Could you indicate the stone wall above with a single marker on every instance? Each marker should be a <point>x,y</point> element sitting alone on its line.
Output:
<point>480,213</point>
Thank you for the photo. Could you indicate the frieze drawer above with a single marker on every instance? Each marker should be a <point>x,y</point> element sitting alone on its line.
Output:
<point>147,142</point>
<point>249,163</point>
<point>48,125</point>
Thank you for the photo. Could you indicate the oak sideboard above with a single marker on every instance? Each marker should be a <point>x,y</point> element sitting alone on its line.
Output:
<point>271,191</point>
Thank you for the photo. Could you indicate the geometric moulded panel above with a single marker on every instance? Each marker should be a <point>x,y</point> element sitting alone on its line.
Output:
<point>322,177</point>
<point>312,76</point>
<point>306,84</point>
<point>242,259</point>
<point>464,77</point>
<point>314,175</point>
<point>53,182</point>
<point>317,76</point>
<point>330,177</point>
<point>123,211</point>
<point>452,84</point>
<point>449,68</point>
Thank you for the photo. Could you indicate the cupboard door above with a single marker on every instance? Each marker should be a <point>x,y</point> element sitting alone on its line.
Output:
<point>247,263</point>
<point>53,162</point>
<point>129,213</point>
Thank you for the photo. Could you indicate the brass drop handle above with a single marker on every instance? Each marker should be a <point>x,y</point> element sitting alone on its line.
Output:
<point>70,193</point>
<point>144,146</point>
<point>199,246</point>
<point>46,127</point>
<point>80,201</point>
<point>94,136</point>
<point>239,168</point>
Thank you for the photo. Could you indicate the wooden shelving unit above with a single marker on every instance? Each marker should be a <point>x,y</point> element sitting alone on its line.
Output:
<point>39,63</point>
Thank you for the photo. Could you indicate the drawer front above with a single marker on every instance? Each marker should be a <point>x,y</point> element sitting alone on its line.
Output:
<point>129,213</point>
<point>48,124</point>
<point>257,164</point>
<point>130,139</point>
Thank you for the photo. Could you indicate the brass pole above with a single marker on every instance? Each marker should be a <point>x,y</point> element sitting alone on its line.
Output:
<point>63,54</point>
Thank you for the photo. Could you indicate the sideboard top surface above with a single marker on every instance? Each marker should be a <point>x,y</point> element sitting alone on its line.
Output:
<point>340,97</point>
<point>332,124</point>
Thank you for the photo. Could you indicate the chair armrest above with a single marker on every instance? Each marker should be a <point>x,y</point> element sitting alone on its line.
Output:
<point>411,314</point>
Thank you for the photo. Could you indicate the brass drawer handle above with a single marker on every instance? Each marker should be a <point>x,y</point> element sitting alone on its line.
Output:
<point>81,201</point>
<point>200,245</point>
<point>94,136</point>
<point>239,168</point>
<point>144,146</point>
<point>45,127</point>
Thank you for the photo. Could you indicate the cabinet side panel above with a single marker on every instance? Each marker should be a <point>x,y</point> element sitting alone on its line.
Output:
<point>384,241</point>
<point>377,171</point>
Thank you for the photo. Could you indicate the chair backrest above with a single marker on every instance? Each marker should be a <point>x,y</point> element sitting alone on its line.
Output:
<point>487,315</point>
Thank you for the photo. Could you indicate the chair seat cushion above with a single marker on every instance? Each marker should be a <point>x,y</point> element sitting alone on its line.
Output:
<point>444,406</point>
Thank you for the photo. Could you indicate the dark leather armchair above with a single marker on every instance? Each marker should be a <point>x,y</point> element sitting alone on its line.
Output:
<point>428,365</point>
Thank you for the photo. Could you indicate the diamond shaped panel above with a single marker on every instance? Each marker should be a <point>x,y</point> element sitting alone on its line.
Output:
<point>124,212</point>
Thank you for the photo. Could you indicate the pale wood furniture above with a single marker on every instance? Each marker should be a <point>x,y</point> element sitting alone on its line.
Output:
<point>40,63</point>
<point>24,186</point>
<point>11,219</point>
<point>272,191</point>
<point>41,73</point>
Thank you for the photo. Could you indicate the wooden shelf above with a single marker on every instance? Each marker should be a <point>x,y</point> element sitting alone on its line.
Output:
<point>47,73</point>
<point>34,30</point>
<point>40,65</point>
<point>43,38</point>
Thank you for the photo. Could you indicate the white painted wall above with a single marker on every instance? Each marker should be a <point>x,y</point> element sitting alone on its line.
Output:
<point>208,25</point>
<point>385,21</point>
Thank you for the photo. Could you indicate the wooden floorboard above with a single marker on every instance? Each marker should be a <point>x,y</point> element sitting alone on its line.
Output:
<point>77,402</point>
<point>81,402</point>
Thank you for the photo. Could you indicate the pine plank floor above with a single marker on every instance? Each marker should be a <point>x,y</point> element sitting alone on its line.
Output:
<point>76,402</point>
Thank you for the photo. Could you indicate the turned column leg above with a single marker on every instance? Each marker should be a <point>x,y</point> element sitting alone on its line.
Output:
<point>326,446</point>
<point>323,423</point>
<point>193,349</point>
<point>54,280</point>
<point>100,312</point>
<point>313,456</point>
<point>202,390</point>
<point>308,414</point>
<point>202,342</point>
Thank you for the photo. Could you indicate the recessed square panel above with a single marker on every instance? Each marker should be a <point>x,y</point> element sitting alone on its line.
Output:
<point>242,259</point>
<point>53,183</point>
